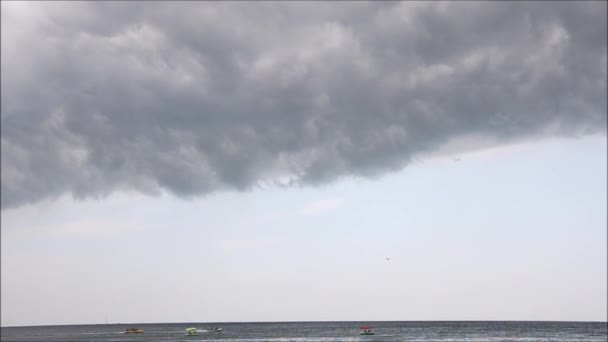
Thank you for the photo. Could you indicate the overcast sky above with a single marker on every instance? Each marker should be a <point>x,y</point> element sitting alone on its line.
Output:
<point>157,153</point>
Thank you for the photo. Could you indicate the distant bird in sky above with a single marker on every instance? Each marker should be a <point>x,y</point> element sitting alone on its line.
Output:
<point>388,258</point>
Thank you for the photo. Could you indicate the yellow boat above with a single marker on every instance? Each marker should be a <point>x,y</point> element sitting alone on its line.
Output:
<point>192,332</point>
<point>134,331</point>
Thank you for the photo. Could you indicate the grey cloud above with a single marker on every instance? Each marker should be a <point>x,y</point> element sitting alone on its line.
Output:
<point>197,97</point>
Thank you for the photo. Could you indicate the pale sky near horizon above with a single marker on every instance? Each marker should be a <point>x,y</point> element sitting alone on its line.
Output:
<point>512,233</point>
<point>303,161</point>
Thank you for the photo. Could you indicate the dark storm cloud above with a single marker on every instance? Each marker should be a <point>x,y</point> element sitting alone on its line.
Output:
<point>195,97</point>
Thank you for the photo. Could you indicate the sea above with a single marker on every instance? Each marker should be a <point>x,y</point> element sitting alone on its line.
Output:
<point>319,332</point>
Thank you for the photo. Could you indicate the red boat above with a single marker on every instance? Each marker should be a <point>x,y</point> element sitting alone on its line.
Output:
<point>366,330</point>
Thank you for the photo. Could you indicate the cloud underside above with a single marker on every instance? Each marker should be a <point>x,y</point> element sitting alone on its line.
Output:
<point>198,97</point>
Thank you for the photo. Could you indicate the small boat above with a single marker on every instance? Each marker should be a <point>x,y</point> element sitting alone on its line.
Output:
<point>134,331</point>
<point>213,329</point>
<point>191,332</point>
<point>366,330</point>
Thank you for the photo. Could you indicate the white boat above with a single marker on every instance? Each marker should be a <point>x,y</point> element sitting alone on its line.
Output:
<point>213,329</point>
<point>366,330</point>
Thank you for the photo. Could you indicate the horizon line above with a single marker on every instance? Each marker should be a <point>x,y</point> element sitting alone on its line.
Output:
<point>272,322</point>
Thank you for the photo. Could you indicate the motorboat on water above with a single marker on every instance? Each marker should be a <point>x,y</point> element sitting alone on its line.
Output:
<point>134,331</point>
<point>191,331</point>
<point>196,331</point>
<point>366,330</point>
<point>213,329</point>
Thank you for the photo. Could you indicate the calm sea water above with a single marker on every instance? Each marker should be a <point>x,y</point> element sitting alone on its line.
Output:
<point>321,331</point>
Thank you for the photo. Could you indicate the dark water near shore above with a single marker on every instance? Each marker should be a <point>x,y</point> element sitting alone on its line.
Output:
<point>320,331</point>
